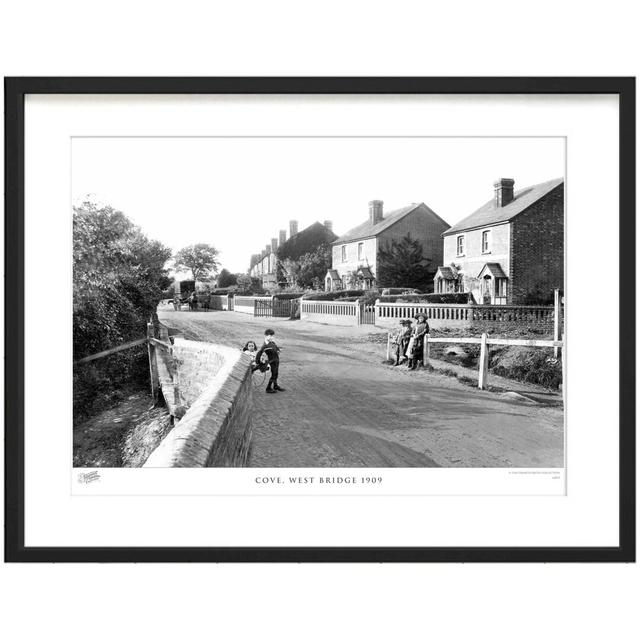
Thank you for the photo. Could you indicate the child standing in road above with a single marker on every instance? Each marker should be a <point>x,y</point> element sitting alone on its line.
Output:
<point>270,353</point>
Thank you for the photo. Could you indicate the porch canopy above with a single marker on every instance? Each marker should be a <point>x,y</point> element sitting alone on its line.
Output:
<point>332,280</point>
<point>492,269</point>
<point>445,273</point>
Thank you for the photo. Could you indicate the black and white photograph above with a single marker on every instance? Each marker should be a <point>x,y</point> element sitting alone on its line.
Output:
<point>319,301</point>
<point>363,320</point>
<point>320,321</point>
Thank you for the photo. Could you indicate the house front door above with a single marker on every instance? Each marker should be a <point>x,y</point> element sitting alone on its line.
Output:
<point>487,297</point>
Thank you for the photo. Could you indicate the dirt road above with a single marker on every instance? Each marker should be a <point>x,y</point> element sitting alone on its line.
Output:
<point>344,408</point>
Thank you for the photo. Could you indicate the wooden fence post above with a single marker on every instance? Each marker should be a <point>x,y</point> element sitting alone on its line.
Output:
<point>425,354</point>
<point>388,346</point>
<point>564,372</point>
<point>153,364</point>
<point>556,319</point>
<point>484,363</point>
<point>358,313</point>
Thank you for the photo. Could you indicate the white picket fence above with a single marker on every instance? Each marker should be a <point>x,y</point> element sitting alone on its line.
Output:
<point>330,312</point>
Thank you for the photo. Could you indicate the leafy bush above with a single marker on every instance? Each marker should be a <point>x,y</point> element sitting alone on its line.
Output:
<point>287,296</point>
<point>534,365</point>
<point>431,298</point>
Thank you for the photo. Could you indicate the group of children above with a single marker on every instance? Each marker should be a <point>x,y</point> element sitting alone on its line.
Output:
<point>409,342</point>
<point>266,358</point>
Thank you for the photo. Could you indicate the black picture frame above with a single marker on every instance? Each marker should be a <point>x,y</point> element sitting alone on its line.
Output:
<point>15,91</point>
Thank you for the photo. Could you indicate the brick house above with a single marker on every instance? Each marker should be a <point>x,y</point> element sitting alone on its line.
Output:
<point>355,254</point>
<point>509,251</point>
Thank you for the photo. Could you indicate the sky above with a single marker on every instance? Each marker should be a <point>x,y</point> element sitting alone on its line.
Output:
<point>237,193</point>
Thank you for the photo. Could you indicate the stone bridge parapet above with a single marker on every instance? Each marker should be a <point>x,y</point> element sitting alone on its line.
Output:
<point>213,384</point>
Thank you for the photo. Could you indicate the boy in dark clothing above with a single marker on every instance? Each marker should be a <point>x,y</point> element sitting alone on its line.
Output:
<point>270,352</point>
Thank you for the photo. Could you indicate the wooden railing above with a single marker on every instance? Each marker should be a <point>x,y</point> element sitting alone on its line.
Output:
<point>484,341</point>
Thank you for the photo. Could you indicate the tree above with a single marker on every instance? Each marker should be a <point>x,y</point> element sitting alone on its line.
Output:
<point>244,282</point>
<point>314,266</point>
<point>402,264</point>
<point>200,259</point>
<point>291,270</point>
<point>118,278</point>
<point>226,279</point>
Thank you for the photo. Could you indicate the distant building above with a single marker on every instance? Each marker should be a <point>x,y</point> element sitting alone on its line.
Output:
<point>356,253</point>
<point>264,265</point>
<point>509,251</point>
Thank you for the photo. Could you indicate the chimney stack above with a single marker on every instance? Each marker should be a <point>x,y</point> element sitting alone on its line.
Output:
<point>504,191</point>
<point>267,249</point>
<point>328,225</point>
<point>283,237</point>
<point>375,211</point>
<point>293,228</point>
<point>274,244</point>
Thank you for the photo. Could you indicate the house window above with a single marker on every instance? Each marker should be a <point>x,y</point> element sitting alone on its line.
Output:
<point>360,250</point>
<point>344,252</point>
<point>485,241</point>
<point>460,245</point>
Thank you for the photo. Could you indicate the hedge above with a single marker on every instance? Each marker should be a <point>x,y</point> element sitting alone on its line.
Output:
<point>287,296</point>
<point>336,295</point>
<point>432,298</point>
<point>393,291</point>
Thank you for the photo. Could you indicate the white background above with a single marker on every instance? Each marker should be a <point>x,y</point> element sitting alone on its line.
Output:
<point>489,38</point>
<point>53,517</point>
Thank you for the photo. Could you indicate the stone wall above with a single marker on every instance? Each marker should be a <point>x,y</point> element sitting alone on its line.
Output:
<point>198,363</point>
<point>215,382</point>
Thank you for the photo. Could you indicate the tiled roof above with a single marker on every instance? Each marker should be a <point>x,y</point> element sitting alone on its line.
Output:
<point>365,272</point>
<point>446,273</point>
<point>333,274</point>
<point>494,269</point>
<point>367,229</point>
<point>489,213</point>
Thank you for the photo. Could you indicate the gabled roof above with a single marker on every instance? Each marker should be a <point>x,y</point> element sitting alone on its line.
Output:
<point>333,274</point>
<point>365,272</point>
<point>368,230</point>
<point>494,269</point>
<point>305,241</point>
<point>489,214</point>
<point>446,273</point>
